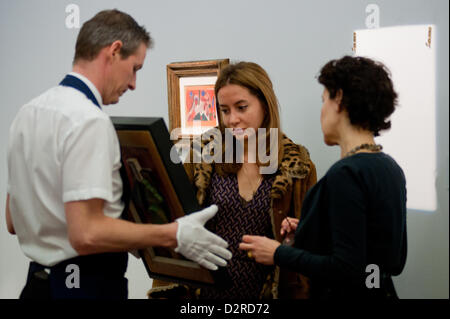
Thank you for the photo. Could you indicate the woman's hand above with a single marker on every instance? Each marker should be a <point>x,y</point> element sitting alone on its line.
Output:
<point>288,226</point>
<point>260,248</point>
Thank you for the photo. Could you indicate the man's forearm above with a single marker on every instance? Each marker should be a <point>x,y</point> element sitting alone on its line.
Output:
<point>90,231</point>
<point>113,235</point>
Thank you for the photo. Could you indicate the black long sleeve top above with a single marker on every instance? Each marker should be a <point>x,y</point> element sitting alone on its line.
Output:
<point>353,217</point>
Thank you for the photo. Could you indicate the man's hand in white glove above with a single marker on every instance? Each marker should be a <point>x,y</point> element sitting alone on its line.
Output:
<point>199,244</point>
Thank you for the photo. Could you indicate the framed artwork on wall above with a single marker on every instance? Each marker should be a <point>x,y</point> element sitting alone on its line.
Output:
<point>192,103</point>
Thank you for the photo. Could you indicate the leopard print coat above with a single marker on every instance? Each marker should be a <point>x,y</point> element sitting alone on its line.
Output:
<point>295,175</point>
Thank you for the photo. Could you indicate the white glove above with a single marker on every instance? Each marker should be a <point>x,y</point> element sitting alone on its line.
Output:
<point>199,244</point>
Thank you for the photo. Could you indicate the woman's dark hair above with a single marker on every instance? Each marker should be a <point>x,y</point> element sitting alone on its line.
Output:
<point>368,92</point>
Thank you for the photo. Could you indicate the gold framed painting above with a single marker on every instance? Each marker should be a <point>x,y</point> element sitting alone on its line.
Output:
<point>157,190</point>
<point>192,102</point>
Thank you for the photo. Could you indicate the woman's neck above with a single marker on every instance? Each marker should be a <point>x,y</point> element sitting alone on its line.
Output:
<point>249,155</point>
<point>354,137</point>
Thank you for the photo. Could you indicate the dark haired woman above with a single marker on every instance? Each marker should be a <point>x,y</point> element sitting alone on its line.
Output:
<point>352,234</point>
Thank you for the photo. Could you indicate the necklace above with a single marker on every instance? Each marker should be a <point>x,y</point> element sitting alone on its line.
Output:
<point>253,189</point>
<point>365,146</point>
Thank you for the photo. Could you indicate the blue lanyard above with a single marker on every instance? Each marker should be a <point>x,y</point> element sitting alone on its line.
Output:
<point>76,83</point>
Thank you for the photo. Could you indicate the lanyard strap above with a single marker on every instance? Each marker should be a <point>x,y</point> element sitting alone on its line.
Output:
<point>76,83</point>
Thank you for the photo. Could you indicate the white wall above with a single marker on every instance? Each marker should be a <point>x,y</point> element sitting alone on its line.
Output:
<point>290,39</point>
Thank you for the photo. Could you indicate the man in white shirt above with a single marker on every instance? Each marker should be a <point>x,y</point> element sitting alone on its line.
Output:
<point>64,186</point>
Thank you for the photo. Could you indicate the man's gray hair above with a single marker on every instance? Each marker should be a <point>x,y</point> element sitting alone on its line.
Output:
<point>106,27</point>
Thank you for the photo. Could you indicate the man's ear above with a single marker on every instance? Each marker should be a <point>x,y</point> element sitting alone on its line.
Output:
<point>115,47</point>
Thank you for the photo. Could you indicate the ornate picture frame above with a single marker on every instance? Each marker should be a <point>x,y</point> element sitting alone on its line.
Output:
<point>157,190</point>
<point>192,105</point>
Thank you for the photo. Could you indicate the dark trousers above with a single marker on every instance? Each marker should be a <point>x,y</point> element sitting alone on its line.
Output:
<point>99,276</point>
<point>385,292</point>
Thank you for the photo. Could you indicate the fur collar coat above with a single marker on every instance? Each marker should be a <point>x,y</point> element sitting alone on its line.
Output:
<point>295,175</point>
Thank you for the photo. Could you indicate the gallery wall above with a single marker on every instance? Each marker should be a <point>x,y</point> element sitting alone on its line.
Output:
<point>291,39</point>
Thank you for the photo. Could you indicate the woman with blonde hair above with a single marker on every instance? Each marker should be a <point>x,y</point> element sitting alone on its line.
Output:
<point>253,195</point>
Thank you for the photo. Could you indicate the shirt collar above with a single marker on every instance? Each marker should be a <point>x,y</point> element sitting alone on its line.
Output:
<point>90,85</point>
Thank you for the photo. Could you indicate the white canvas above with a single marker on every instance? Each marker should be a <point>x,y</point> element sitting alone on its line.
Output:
<point>409,53</point>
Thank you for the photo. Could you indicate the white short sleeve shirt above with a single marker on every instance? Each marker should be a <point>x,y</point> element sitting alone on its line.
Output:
<point>62,148</point>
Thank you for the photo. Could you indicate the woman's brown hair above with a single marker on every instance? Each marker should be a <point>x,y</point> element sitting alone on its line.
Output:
<point>255,79</point>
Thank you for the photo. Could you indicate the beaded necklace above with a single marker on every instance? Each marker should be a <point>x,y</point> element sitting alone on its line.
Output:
<point>365,146</point>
